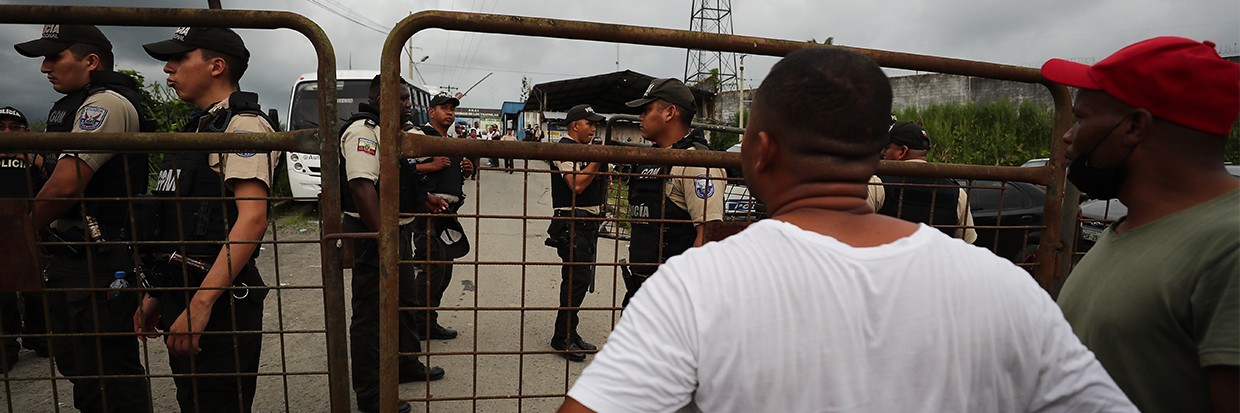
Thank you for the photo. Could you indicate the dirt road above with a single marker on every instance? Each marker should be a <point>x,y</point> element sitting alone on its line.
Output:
<point>293,365</point>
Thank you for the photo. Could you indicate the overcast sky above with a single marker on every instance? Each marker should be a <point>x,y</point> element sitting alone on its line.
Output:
<point>1022,32</point>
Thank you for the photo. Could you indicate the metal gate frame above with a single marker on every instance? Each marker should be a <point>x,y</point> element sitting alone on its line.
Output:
<point>305,141</point>
<point>1054,246</point>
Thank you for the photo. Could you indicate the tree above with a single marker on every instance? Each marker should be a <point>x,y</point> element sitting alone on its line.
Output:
<point>167,110</point>
<point>161,101</point>
<point>526,87</point>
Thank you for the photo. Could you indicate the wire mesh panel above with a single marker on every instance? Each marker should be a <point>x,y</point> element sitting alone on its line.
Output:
<point>504,292</point>
<point>119,299</point>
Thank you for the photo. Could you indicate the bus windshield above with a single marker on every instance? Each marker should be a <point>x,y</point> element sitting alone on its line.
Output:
<point>304,113</point>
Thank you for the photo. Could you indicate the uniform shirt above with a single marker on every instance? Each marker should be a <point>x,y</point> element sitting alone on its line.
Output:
<point>700,191</point>
<point>963,215</point>
<point>104,111</point>
<point>575,166</point>
<point>876,194</point>
<point>360,147</point>
<point>1161,301</point>
<point>244,165</point>
<point>779,319</point>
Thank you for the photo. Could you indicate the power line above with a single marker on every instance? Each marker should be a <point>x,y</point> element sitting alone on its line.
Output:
<point>376,27</point>
<point>489,69</point>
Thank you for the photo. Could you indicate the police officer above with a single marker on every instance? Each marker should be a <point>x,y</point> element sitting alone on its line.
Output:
<point>21,176</point>
<point>943,205</point>
<point>691,196</point>
<point>439,238</point>
<point>223,289</point>
<point>78,63</point>
<point>359,149</point>
<point>576,192</point>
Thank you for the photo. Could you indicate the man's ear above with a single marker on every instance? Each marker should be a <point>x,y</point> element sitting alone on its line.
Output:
<point>217,66</point>
<point>1140,124</point>
<point>92,61</point>
<point>765,151</point>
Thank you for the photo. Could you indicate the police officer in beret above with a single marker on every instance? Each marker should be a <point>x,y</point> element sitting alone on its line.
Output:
<point>943,205</point>
<point>439,238</point>
<point>692,196</point>
<point>21,314</point>
<point>576,192</point>
<point>78,62</point>
<point>223,291</point>
<point>359,150</point>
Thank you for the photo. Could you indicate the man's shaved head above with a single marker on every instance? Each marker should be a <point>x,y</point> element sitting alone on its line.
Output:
<point>826,102</point>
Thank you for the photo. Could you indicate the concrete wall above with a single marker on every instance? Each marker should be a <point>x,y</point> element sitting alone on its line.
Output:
<point>921,91</point>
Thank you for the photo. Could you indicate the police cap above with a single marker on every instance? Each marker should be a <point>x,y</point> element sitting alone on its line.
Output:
<point>186,39</point>
<point>671,90</point>
<point>11,112</point>
<point>58,37</point>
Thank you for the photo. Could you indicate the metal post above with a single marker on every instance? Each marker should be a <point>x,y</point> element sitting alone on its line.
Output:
<point>740,99</point>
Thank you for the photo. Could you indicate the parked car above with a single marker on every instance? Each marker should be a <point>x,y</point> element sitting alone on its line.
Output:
<point>1098,214</point>
<point>1036,162</point>
<point>1006,204</point>
<point>738,204</point>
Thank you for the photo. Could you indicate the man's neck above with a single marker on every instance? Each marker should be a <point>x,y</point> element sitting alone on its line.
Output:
<point>1154,193</point>
<point>838,210</point>
<point>580,139</point>
<point>443,130</point>
<point>217,93</point>
<point>671,136</point>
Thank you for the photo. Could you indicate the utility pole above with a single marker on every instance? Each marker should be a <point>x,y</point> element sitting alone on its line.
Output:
<point>740,90</point>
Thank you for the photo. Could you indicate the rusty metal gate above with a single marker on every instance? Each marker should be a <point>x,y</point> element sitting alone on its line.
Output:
<point>526,354</point>
<point>318,366</point>
<point>501,361</point>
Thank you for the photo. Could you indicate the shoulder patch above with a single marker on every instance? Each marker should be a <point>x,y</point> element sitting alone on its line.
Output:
<point>703,187</point>
<point>92,118</point>
<point>368,146</point>
<point>246,154</point>
<point>243,131</point>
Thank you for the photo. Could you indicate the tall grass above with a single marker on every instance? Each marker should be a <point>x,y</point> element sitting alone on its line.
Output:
<point>1001,133</point>
<point>991,133</point>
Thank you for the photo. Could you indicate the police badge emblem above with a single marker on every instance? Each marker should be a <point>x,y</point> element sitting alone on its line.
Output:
<point>92,118</point>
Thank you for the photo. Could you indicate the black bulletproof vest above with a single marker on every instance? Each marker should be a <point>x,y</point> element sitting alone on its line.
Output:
<point>647,201</point>
<point>122,170</point>
<point>914,203</point>
<point>189,175</point>
<point>19,178</point>
<point>562,195</point>
<point>447,180</point>
<point>412,192</point>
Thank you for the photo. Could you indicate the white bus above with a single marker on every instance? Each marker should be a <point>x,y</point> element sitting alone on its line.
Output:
<point>352,88</point>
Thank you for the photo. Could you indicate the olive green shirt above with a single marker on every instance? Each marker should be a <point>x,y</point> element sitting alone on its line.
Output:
<point>1160,302</point>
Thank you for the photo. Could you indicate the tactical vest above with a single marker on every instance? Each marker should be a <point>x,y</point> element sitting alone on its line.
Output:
<point>19,178</point>
<point>411,192</point>
<point>562,195</point>
<point>447,180</point>
<point>916,203</point>
<point>189,175</point>
<point>647,201</point>
<point>111,179</point>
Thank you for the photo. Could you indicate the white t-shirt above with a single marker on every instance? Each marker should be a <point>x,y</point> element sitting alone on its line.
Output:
<point>779,319</point>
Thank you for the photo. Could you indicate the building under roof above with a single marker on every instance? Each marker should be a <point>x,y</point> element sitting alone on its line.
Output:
<point>607,93</point>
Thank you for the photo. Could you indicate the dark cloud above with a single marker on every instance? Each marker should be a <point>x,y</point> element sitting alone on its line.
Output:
<point>1025,33</point>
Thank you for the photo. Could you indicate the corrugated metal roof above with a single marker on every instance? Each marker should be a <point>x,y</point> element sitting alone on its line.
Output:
<point>607,93</point>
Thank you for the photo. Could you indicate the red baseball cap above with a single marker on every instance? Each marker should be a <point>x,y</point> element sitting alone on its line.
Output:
<point>1176,79</point>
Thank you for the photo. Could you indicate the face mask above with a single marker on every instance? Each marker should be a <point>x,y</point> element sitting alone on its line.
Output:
<point>1099,183</point>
